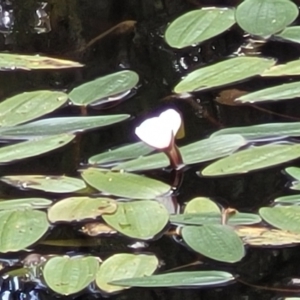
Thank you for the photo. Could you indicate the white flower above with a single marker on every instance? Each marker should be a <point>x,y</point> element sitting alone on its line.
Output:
<point>158,132</point>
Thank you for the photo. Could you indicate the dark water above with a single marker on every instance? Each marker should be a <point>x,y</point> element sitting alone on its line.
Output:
<point>143,49</point>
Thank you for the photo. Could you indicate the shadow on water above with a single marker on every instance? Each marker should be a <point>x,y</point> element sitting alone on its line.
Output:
<point>141,47</point>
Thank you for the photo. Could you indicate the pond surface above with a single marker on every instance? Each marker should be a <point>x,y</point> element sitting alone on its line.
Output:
<point>264,273</point>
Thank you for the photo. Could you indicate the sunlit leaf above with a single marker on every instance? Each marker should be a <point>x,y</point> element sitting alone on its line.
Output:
<point>34,203</point>
<point>291,33</point>
<point>265,17</point>
<point>121,153</point>
<point>61,125</point>
<point>197,26</point>
<point>9,61</point>
<point>30,105</point>
<point>179,279</point>
<point>52,184</point>
<point>80,208</point>
<point>201,205</point>
<point>275,93</point>
<point>124,266</point>
<point>21,228</point>
<point>290,68</point>
<point>124,184</point>
<point>228,71</point>
<point>138,219</point>
<point>254,158</point>
<point>69,275</point>
<point>215,241</point>
<point>200,151</point>
<point>282,217</point>
<point>104,87</point>
<point>261,131</point>
<point>32,148</point>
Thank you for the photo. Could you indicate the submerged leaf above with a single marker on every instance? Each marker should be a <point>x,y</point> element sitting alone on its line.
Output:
<point>199,25</point>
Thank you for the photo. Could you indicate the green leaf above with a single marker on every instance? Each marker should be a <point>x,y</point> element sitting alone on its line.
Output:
<point>33,148</point>
<point>124,266</point>
<point>275,93</point>
<point>291,199</point>
<point>9,61</point>
<point>254,158</point>
<point>121,153</point>
<point>293,172</point>
<point>200,151</point>
<point>104,87</point>
<point>34,203</point>
<point>123,184</point>
<point>267,130</point>
<point>138,219</point>
<point>61,125</point>
<point>199,25</point>
<point>69,275</point>
<point>291,33</point>
<point>52,184</point>
<point>80,208</point>
<point>265,17</point>
<point>288,69</point>
<point>21,228</point>
<point>179,279</point>
<point>201,205</point>
<point>30,105</point>
<point>218,242</point>
<point>225,72</point>
<point>282,217</point>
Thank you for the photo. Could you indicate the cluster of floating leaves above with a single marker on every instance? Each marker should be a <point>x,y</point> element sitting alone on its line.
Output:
<point>110,199</point>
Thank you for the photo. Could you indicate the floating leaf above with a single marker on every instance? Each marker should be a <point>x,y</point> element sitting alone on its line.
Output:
<point>268,130</point>
<point>265,17</point>
<point>291,199</point>
<point>121,153</point>
<point>199,25</point>
<point>34,203</point>
<point>262,236</point>
<point>21,228</point>
<point>80,208</point>
<point>225,72</point>
<point>52,184</point>
<point>282,217</point>
<point>179,279</point>
<point>124,184</point>
<point>30,105</point>
<point>290,68</point>
<point>291,33</point>
<point>9,61</point>
<point>254,158</point>
<point>33,148</point>
<point>138,219</point>
<point>104,87</point>
<point>69,275</point>
<point>124,266</point>
<point>218,242</point>
<point>54,126</point>
<point>201,151</point>
<point>275,93</point>
<point>201,205</point>
<point>293,172</point>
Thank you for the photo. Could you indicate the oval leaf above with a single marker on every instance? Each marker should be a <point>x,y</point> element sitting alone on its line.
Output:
<point>124,266</point>
<point>215,241</point>
<point>291,199</point>
<point>265,17</point>
<point>197,26</point>
<point>179,279</point>
<point>254,158</point>
<point>104,87</point>
<point>33,148</point>
<point>291,33</point>
<point>290,68</point>
<point>124,184</point>
<point>34,203</point>
<point>30,105</point>
<point>138,219</point>
<point>80,208</point>
<point>70,275</point>
<point>52,184</point>
<point>201,205</point>
<point>222,73</point>
<point>21,228</point>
